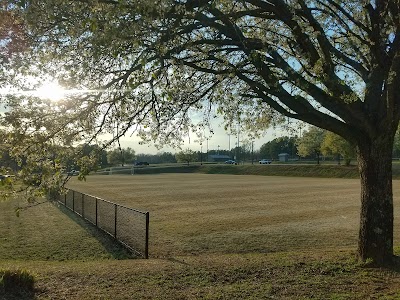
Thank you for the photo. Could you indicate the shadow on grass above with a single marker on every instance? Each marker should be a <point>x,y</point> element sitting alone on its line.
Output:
<point>16,296</point>
<point>17,284</point>
<point>110,244</point>
<point>393,266</point>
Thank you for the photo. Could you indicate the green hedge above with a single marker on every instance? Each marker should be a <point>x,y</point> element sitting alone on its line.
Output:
<point>285,170</point>
<point>295,170</point>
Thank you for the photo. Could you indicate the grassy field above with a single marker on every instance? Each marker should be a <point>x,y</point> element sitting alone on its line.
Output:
<point>211,237</point>
<point>200,213</point>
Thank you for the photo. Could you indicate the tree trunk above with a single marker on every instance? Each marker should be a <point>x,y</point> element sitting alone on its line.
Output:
<point>376,219</point>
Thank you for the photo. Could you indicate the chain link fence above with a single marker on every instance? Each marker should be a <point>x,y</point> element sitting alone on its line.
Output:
<point>129,226</point>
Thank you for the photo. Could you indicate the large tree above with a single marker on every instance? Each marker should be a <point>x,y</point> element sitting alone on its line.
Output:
<point>333,64</point>
<point>121,156</point>
<point>186,156</point>
<point>278,145</point>
<point>336,145</point>
<point>396,146</point>
<point>310,143</point>
<point>12,34</point>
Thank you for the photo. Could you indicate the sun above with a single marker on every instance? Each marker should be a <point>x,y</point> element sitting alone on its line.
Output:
<point>51,91</point>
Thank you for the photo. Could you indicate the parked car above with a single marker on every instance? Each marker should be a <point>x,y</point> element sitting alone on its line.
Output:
<point>265,162</point>
<point>73,173</point>
<point>231,162</point>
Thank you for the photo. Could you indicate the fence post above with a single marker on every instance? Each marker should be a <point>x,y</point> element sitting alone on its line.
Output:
<point>146,249</point>
<point>96,212</point>
<point>115,220</point>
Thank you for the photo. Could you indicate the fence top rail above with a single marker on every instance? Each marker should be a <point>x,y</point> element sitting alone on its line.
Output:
<point>132,209</point>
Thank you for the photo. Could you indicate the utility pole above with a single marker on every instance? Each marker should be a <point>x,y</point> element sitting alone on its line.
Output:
<point>207,149</point>
<point>201,153</point>
<point>252,152</point>
<point>238,142</point>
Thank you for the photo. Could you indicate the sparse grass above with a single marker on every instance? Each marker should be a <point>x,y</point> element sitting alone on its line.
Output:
<point>295,275</point>
<point>42,232</point>
<point>212,237</point>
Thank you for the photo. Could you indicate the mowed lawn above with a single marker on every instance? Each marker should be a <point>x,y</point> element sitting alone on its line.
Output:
<point>201,213</point>
<point>211,237</point>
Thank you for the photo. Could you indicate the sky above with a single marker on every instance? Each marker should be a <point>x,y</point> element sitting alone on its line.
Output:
<point>220,138</point>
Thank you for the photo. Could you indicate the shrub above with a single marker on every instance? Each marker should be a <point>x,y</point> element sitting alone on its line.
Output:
<point>16,282</point>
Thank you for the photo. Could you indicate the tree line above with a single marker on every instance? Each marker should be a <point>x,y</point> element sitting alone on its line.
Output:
<point>314,144</point>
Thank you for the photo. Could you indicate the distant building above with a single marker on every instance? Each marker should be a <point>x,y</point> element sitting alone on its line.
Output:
<point>218,158</point>
<point>284,157</point>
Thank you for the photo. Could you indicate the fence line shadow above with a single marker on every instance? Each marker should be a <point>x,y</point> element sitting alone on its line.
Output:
<point>110,244</point>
